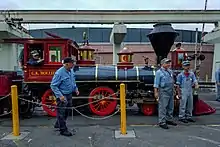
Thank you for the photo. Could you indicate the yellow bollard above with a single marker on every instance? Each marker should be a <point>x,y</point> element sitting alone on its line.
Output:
<point>15,115</point>
<point>123,109</point>
<point>206,77</point>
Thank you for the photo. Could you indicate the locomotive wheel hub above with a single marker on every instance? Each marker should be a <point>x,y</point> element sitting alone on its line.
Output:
<point>103,105</point>
<point>103,102</point>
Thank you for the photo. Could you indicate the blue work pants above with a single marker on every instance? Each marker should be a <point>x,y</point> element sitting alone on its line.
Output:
<point>62,112</point>
<point>166,103</point>
<point>186,104</point>
<point>218,93</point>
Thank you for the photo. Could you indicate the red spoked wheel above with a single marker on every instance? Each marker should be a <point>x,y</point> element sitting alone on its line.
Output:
<point>102,101</point>
<point>148,109</point>
<point>49,99</point>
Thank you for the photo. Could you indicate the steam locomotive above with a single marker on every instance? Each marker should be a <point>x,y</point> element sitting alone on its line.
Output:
<point>98,84</point>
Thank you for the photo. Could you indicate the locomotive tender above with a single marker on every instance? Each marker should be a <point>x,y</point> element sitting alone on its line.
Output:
<point>95,82</point>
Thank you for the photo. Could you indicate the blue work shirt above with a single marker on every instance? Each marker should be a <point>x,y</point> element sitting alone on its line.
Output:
<point>217,76</point>
<point>182,77</point>
<point>163,77</point>
<point>63,82</point>
<point>32,61</point>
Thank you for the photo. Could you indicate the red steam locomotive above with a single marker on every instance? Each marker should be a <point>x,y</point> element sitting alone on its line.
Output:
<point>96,82</point>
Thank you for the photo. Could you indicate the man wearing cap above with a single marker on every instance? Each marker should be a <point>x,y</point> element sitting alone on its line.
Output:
<point>185,81</point>
<point>63,85</point>
<point>163,90</point>
<point>35,60</point>
<point>217,79</point>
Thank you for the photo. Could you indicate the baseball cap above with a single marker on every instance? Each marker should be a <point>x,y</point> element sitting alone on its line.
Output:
<point>68,60</point>
<point>165,60</point>
<point>34,53</point>
<point>185,63</point>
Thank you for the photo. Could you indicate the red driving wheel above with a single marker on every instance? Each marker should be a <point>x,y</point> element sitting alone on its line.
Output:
<point>148,109</point>
<point>99,103</point>
<point>49,99</point>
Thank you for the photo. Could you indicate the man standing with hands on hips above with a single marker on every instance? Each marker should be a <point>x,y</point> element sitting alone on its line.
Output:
<point>164,90</point>
<point>63,85</point>
<point>217,78</point>
<point>185,81</point>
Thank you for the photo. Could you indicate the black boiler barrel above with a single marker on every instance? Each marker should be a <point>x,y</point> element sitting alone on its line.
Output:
<point>101,73</point>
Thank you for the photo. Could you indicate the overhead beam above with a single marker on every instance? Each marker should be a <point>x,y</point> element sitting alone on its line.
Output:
<point>111,16</point>
<point>8,31</point>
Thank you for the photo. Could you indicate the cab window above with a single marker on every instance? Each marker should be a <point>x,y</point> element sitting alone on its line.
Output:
<point>35,54</point>
<point>55,54</point>
<point>38,48</point>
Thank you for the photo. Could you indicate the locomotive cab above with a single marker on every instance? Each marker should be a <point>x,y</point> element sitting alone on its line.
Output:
<point>178,55</point>
<point>42,57</point>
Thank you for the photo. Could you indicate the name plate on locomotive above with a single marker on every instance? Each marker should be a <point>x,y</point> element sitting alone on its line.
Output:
<point>42,73</point>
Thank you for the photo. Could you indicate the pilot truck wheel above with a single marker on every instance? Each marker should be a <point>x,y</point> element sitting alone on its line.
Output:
<point>147,109</point>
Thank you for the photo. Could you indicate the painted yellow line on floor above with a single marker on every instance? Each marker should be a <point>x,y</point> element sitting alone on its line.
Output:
<point>149,125</point>
<point>216,125</point>
<point>141,125</point>
<point>152,125</point>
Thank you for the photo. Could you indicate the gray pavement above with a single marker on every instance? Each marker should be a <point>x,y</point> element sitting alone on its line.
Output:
<point>204,133</point>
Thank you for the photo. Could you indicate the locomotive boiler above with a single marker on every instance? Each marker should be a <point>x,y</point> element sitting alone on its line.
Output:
<point>98,84</point>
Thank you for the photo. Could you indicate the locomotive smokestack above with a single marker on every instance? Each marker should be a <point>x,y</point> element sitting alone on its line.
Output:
<point>162,38</point>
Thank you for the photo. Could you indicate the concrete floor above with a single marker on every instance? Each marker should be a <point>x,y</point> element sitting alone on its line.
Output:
<point>204,133</point>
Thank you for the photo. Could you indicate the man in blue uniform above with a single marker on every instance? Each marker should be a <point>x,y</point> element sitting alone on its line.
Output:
<point>35,60</point>
<point>164,90</point>
<point>217,78</point>
<point>63,85</point>
<point>185,81</point>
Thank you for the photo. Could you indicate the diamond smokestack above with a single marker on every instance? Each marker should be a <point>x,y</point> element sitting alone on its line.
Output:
<point>162,37</point>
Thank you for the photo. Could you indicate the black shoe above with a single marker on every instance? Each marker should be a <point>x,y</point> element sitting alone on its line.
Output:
<point>74,131</point>
<point>190,120</point>
<point>183,120</point>
<point>66,133</point>
<point>164,126</point>
<point>56,126</point>
<point>171,123</point>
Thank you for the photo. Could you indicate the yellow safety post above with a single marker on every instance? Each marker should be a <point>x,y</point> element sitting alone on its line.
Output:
<point>15,117</point>
<point>123,109</point>
<point>206,77</point>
